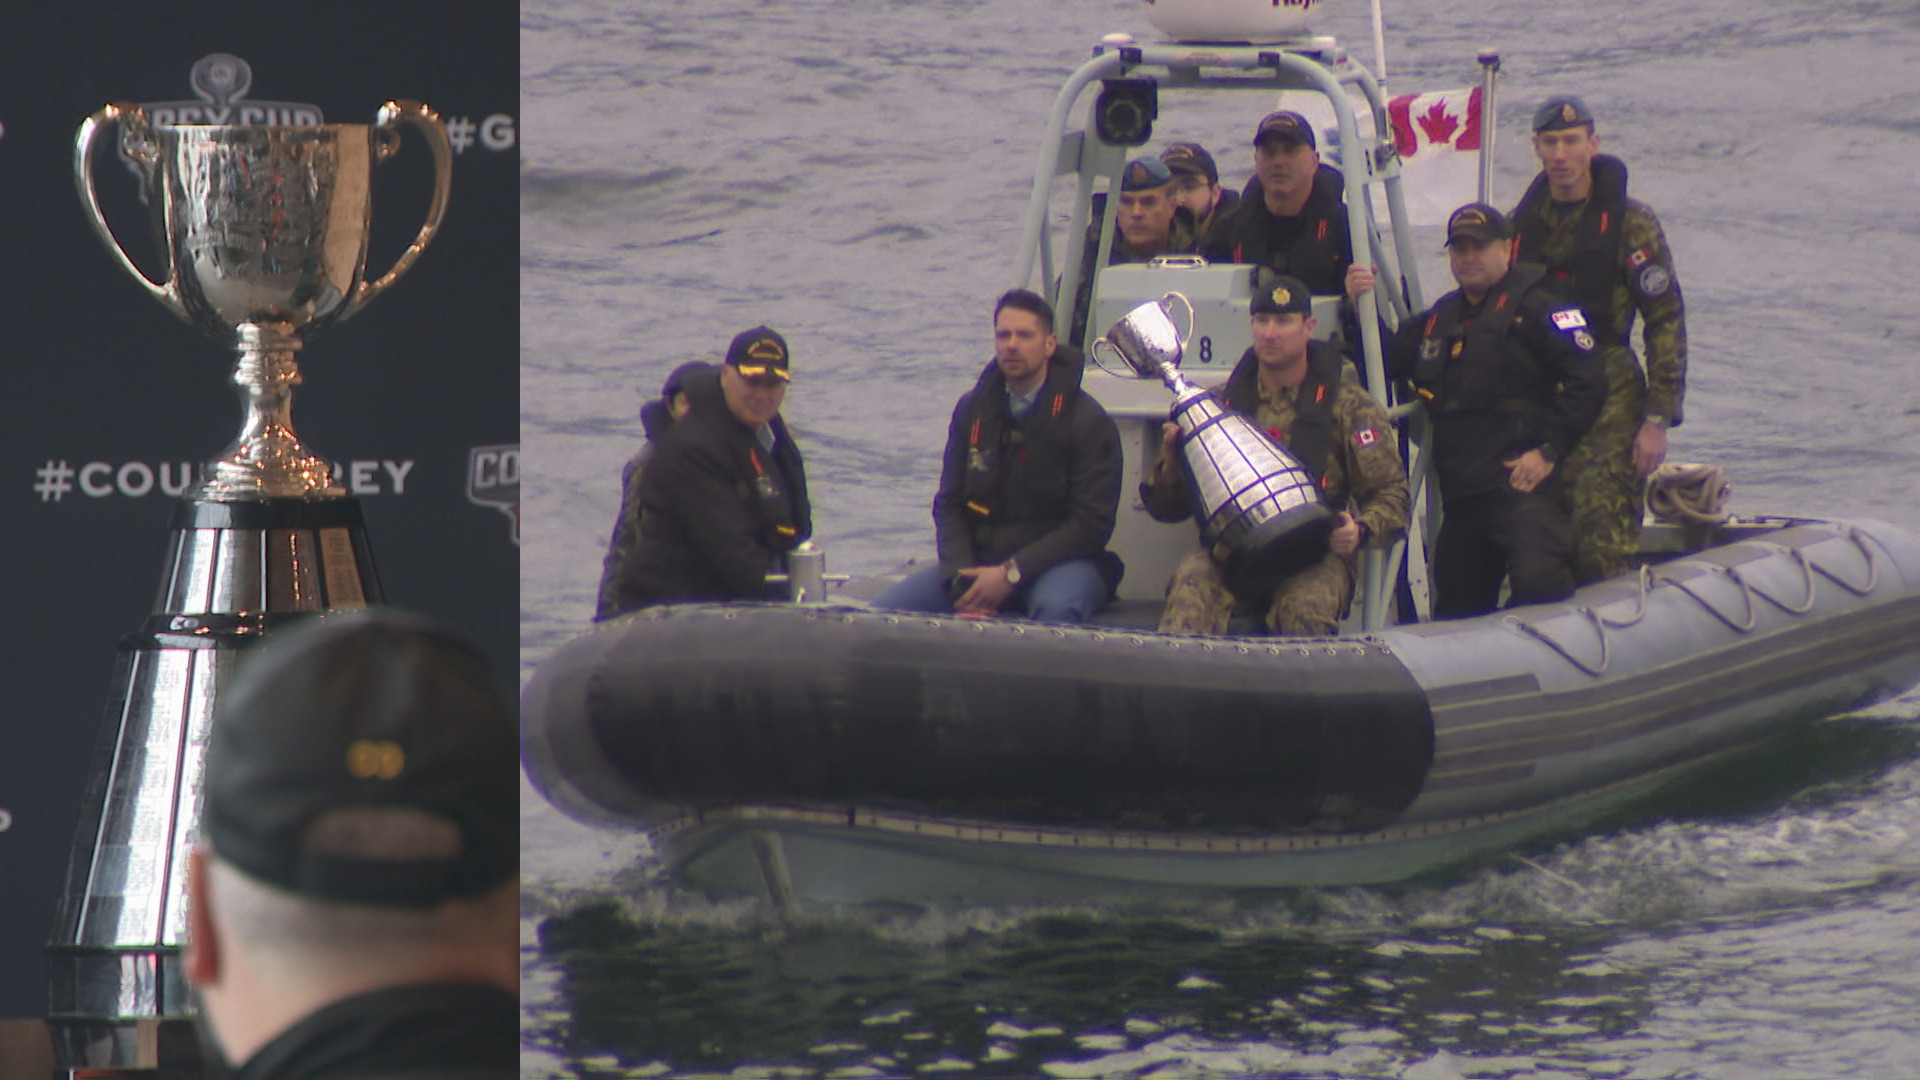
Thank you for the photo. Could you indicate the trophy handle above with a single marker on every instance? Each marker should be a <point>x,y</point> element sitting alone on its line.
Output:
<point>387,141</point>
<point>1093,353</point>
<point>137,138</point>
<point>1185,303</point>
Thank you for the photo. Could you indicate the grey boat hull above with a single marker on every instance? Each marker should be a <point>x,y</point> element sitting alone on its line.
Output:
<point>1356,760</point>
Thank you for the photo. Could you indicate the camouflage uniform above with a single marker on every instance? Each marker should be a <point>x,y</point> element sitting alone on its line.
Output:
<point>1605,496</point>
<point>1363,476</point>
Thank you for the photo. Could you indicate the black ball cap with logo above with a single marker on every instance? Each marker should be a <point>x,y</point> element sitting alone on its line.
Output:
<point>363,709</point>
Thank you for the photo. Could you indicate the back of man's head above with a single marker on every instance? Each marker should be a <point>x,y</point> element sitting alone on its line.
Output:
<point>359,824</point>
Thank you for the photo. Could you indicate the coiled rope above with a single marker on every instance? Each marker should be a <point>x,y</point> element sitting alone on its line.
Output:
<point>1689,494</point>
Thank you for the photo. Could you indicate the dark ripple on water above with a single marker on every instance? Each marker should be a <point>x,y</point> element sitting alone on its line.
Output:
<point>540,188</point>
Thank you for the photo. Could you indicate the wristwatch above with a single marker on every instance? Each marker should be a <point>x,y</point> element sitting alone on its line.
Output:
<point>1013,571</point>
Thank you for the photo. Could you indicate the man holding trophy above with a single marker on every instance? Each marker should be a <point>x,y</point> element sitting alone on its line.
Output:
<point>1293,389</point>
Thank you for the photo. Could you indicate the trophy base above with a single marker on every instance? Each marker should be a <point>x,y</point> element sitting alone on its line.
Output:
<point>117,996</point>
<point>159,1049</point>
<point>1279,547</point>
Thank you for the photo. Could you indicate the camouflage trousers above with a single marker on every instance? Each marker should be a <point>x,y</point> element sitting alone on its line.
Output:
<point>1604,497</point>
<point>1310,603</point>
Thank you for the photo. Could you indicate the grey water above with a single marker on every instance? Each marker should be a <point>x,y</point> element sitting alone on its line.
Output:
<point>852,172</point>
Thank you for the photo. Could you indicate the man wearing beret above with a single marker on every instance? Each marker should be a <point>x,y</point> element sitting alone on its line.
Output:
<point>656,417</point>
<point>1512,380</point>
<point>725,496</point>
<point>1029,485</point>
<point>1148,223</point>
<point>1292,386</point>
<point>1196,186</point>
<point>1607,253</point>
<point>353,894</point>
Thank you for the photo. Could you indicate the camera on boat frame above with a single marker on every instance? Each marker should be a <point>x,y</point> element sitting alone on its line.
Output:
<point>1124,113</point>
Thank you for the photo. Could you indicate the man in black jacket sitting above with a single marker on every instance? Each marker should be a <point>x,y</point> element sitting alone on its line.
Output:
<point>725,496</point>
<point>1029,485</point>
<point>656,417</point>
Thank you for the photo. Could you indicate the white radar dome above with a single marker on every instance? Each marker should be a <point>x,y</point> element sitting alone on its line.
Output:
<point>1233,20</point>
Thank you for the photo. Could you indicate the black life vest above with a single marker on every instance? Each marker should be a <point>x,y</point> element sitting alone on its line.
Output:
<point>1319,253</point>
<point>774,493</point>
<point>1037,444</point>
<point>1311,437</point>
<point>1589,275</point>
<point>1474,364</point>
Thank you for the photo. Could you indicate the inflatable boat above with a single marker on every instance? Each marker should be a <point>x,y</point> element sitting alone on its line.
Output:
<point>829,753</point>
<point>816,751</point>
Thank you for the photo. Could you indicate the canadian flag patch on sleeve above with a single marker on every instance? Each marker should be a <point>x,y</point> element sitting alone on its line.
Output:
<point>1569,319</point>
<point>1366,437</point>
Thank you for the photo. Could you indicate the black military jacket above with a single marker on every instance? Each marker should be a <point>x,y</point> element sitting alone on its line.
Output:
<point>716,510</point>
<point>1515,372</point>
<point>1040,489</point>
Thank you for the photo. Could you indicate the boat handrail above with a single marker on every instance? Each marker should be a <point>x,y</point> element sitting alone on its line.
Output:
<point>1315,64</point>
<point>1280,68</point>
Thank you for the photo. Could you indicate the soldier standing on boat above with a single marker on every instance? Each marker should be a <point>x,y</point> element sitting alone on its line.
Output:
<point>656,417</point>
<point>725,496</point>
<point>1029,485</point>
<point>1512,378</point>
<point>1149,223</point>
<point>1196,186</point>
<point>1293,387</point>
<point>1607,253</point>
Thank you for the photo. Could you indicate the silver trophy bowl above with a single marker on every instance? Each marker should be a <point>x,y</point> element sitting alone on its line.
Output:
<point>264,231</point>
<point>1251,495</point>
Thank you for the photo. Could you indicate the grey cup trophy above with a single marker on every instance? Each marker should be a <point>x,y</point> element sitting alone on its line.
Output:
<point>1252,495</point>
<point>263,231</point>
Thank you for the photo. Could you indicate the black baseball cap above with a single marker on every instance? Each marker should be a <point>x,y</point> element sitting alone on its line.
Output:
<point>1561,112</point>
<point>375,709</point>
<point>1193,158</point>
<point>759,351</point>
<point>1479,222</point>
<point>1144,174</point>
<point>1284,124</point>
<point>1282,296</point>
<point>678,377</point>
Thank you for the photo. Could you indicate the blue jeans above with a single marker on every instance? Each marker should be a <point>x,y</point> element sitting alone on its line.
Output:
<point>1069,592</point>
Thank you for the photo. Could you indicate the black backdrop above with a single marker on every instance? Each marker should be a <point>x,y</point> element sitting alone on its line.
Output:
<point>106,393</point>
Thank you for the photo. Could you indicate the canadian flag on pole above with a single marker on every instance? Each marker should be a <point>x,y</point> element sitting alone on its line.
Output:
<point>1438,136</point>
